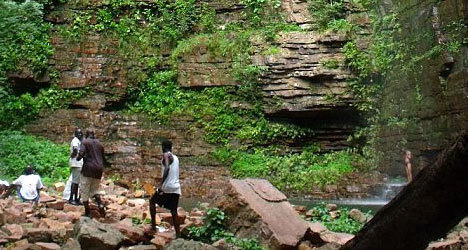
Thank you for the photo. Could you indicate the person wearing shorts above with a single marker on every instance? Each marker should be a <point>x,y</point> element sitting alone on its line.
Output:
<point>92,152</point>
<point>168,194</point>
<point>75,167</point>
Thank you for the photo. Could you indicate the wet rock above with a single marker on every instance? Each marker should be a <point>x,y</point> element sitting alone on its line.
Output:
<point>181,244</point>
<point>270,217</point>
<point>357,215</point>
<point>331,207</point>
<point>94,235</point>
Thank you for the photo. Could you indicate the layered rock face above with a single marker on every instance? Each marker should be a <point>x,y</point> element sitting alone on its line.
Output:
<point>132,145</point>
<point>297,88</point>
<point>430,103</point>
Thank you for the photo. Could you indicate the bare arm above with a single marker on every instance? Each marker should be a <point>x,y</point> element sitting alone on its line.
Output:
<point>167,160</point>
<point>74,152</point>
<point>82,152</point>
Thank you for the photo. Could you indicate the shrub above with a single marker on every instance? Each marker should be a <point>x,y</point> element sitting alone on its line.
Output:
<point>343,223</point>
<point>214,229</point>
<point>19,150</point>
<point>292,172</point>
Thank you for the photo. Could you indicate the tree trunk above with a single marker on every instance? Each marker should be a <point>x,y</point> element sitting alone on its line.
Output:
<point>425,210</point>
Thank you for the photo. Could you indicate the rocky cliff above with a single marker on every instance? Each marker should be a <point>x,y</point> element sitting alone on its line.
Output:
<point>425,101</point>
<point>298,87</point>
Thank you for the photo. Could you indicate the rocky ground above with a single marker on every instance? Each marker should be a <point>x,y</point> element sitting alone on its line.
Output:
<point>55,224</point>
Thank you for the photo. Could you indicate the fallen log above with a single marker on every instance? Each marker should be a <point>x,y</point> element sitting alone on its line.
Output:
<point>425,210</point>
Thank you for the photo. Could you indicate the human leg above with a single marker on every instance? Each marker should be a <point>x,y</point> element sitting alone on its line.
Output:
<point>152,208</point>
<point>175,221</point>
<point>85,193</point>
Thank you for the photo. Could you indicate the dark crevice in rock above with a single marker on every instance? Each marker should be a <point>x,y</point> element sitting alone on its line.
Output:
<point>21,85</point>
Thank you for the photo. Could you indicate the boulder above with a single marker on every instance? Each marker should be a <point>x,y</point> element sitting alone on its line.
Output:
<point>331,207</point>
<point>133,234</point>
<point>47,246</point>
<point>257,209</point>
<point>357,215</point>
<point>45,197</point>
<point>59,186</point>
<point>159,242</point>
<point>13,215</point>
<point>95,235</point>
<point>445,245</point>
<point>57,205</point>
<point>71,244</point>
<point>139,194</point>
<point>339,238</point>
<point>39,235</point>
<point>181,244</point>
<point>15,232</point>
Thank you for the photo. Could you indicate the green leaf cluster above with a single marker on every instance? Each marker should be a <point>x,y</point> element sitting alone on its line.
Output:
<point>24,38</point>
<point>19,150</point>
<point>343,223</point>
<point>214,228</point>
<point>16,111</point>
<point>292,172</point>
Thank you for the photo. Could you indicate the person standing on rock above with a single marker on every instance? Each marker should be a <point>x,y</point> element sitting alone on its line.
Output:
<point>168,193</point>
<point>408,157</point>
<point>92,152</point>
<point>75,167</point>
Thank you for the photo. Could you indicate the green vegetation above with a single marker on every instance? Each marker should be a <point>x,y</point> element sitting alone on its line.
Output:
<point>16,111</point>
<point>214,229</point>
<point>343,223</point>
<point>19,150</point>
<point>24,38</point>
<point>295,172</point>
<point>327,13</point>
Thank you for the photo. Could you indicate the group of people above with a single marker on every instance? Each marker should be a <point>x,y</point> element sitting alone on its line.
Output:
<point>86,167</point>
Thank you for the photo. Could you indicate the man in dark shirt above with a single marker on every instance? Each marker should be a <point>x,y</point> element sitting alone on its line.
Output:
<point>92,152</point>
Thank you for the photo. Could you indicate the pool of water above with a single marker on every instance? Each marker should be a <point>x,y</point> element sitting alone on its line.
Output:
<point>362,204</point>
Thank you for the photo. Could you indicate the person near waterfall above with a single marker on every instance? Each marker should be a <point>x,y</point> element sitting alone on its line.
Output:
<point>75,167</point>
<point>92,152</point>
<point>408,157</point>
<point>168,193</point>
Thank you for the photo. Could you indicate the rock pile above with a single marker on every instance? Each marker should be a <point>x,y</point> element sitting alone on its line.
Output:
<point>55,224</point>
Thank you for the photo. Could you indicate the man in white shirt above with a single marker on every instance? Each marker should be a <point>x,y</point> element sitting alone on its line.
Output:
<point>75,167</point>
<point>28,185</point>
<point>168,194</point>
